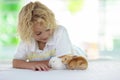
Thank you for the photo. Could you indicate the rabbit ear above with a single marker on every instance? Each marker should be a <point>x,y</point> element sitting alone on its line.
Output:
<point>73,57</point>
<point>65,55</point>
<point>62,56</point>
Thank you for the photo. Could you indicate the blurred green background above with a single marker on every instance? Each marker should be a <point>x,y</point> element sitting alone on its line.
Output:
<point>8,21</point>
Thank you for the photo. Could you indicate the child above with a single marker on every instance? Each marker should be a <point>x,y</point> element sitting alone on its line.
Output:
<point>41,38</point>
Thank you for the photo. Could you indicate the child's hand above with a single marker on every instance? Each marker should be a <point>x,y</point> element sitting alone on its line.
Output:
<point>40,67</point>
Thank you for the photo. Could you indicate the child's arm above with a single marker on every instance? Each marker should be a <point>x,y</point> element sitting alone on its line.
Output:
<point>33,65</point>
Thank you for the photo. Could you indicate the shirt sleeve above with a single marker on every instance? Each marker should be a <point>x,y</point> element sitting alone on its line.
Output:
<point>21,51</point>
<point>63,44</point>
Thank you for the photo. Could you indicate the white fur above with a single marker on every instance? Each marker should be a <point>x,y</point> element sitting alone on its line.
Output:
<point>56,63</point>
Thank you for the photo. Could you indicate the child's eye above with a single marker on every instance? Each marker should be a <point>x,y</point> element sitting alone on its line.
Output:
<point>48,30</point>
<point>39,33</point>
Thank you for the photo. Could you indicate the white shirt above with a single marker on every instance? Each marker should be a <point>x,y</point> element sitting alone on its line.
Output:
<point>59,44</point>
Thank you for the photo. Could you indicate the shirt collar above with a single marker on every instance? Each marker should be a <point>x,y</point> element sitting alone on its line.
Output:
<point>51,41</point>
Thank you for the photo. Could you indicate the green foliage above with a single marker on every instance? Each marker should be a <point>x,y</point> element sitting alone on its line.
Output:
<point>8,22</point>
<point>8,36</point>
<point>75,5</point>
<point>9,6</point>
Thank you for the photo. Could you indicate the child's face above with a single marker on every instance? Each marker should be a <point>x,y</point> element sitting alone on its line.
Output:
<point>41,33</point>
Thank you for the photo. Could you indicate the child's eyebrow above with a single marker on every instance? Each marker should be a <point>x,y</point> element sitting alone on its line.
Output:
<point>38,32</point>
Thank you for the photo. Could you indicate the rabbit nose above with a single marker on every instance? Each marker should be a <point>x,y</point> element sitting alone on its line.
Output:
<point>53,61</point>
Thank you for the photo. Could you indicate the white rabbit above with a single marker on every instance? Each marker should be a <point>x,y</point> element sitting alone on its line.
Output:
<point>56,63</point>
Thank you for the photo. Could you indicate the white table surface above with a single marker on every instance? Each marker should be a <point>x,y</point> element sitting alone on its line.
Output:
<point>97,70</point>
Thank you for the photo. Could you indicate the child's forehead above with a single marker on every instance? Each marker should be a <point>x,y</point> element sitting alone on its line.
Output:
<point>38,27</point>
<point>40,24</point>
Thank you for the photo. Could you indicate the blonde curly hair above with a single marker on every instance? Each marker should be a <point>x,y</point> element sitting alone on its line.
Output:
<point>30,14</point>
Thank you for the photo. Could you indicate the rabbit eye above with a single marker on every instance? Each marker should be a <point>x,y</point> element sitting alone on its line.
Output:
<point>80,63</point>
<point>65,58</point>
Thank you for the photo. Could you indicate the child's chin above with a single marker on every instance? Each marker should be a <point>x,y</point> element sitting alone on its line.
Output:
<point>44,41</point>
